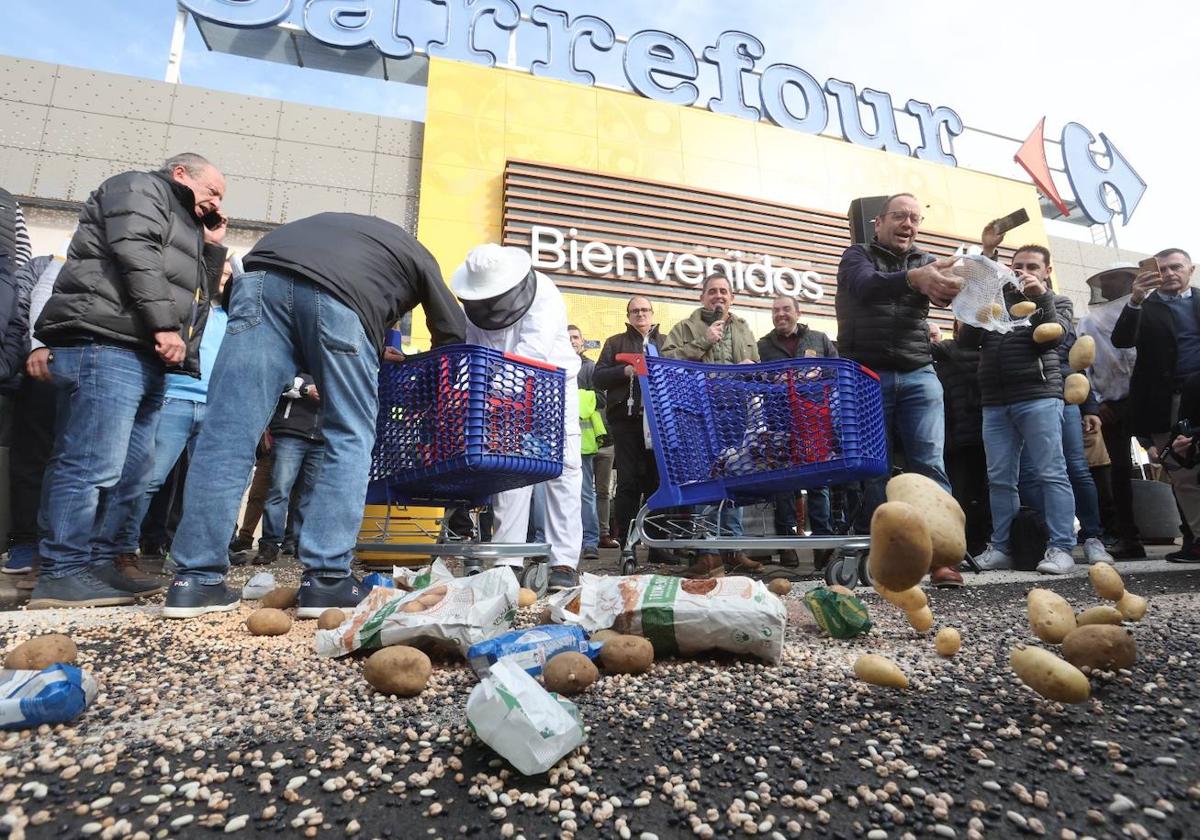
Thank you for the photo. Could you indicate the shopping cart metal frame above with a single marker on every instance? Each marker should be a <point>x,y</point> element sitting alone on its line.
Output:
<point>701,531</point>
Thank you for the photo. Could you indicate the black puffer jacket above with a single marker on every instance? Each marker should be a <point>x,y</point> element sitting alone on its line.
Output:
<point>297,414</point>
<point>610,374</point>
<point>958,370</point>
<point>812,343</point>
<point>881,319</point>
<point>137,265</point>
<point>1012,367</point>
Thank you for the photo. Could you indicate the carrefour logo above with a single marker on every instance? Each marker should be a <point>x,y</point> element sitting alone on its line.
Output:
<point>663,67</point>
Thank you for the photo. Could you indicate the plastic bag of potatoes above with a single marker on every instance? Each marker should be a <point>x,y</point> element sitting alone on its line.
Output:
<point>459,611</point>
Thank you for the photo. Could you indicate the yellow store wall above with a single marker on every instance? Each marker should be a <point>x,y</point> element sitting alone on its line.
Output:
<point>479,117</point>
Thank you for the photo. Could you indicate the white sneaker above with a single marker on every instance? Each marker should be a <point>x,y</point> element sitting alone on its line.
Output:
<point>992,559</point>
<point>1056,562</point>
<point>1095,552</point>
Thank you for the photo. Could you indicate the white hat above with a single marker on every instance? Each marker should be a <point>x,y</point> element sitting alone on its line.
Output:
<point>489,271</point>
<point>1126,268</point>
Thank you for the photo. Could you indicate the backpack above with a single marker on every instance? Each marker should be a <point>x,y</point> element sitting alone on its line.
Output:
<point>1027,539</point>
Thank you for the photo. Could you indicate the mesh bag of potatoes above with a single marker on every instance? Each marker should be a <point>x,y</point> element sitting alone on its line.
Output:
<point>678,615</point>
<point>981,301</point>
<point>457,611</point>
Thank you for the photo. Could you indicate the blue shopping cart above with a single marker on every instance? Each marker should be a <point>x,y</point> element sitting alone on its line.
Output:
<point>739,434</point>
<point>455,426</point>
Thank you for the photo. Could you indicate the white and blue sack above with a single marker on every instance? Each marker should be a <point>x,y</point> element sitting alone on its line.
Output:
<point>57,694</point>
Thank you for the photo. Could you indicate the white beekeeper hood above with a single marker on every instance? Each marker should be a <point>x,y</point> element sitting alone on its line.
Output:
<point>489,271</point>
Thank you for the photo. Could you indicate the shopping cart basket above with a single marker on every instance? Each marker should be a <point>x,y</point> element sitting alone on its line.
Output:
<point>456,426</point>
<point>738,434</point>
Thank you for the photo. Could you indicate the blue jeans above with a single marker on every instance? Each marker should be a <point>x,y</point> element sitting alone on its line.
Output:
<point>818,512</point>
<point>108,404</point>
<point>279,324</point>
<point>178,425</point>
<point>591,521</point>
<point>537,514</point>
<point>913,416</point>
<point>731,519</point>
<point>1087,499</point>
<point>1033,426</point>
<point>295,457</point>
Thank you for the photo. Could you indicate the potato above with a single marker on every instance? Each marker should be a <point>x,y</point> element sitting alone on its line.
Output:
<point>944,516</point>
<point>569,673</point>
<point>1050,616</point>
<point>1043,333</point>
<point>984,314</point>
<point>1022,309</point>
<point>42,652</point>
<point>839,589</point>
<point>603,636</point>
<point>627,654</point>
<point>921,620</point>
<point>1050,676</point>
<point>997,310</point>
<point>280,598</point>
<point>399,669</point>
<point>1076,389</point>
<point>947,642</point>
<point>331,618</point>
<point>1099,615</point>
<point>780,586</point>
<point>1106,581</point>
<point>901,549</point>
<point>1133,607</point>
<point>268,621</point>
<point>1100,647</point>
<point>526,597</point>
<point>879,670</point>
<point>1083,353</point>
<point>910,600</point>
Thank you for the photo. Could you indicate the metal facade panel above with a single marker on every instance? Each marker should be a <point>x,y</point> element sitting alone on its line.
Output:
<point>247,198</point>
<point>74,177</point>
<point>21,124</point>
<point>234,155</point>
<point>303,163</point>
<point>101,136</point>
<point>400,137</point>
<point>26,81</point>
<point>18,169</point>
<point>295,201</point>
<point>400,209</point>
<point>108,93</point>
<point>219,111</point>
<point>327,127</point>
<point>397,175</point>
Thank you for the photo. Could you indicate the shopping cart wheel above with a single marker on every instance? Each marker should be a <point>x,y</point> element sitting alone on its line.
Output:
<point>536,577</point>
<point>843,569</point>
<point>628,565</point>
<point>472,566</point>
<point>864,571</point>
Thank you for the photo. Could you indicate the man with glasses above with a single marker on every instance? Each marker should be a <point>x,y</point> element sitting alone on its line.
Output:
<point>637,472</point>
<point>884,289</point>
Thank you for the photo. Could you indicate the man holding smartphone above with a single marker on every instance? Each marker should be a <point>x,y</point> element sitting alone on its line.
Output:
<point>1162,320</point>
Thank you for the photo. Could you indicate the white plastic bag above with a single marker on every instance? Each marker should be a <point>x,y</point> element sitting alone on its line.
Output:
<point>461,611</point>
<point>513,714</point>
<point>410,579</point>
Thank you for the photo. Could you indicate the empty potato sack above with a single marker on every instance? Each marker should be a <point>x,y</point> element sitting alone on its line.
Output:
<point>944,516</point>
<point>901,548</point>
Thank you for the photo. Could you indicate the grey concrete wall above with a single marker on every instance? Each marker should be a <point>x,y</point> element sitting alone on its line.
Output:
<point>63,130</point>
<point>1075,262</point>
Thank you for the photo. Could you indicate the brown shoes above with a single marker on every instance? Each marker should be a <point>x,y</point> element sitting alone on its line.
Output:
<point>741,562</point>
<point>127,565</point>
<point>706,565</point>
<point>789,558</point>
<point>946,577</point>
<point>607,541</point>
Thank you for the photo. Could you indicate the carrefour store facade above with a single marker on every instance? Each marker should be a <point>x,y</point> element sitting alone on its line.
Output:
<point>645,189</point>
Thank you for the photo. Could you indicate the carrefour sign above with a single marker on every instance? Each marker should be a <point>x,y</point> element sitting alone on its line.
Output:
<point>663,67</point>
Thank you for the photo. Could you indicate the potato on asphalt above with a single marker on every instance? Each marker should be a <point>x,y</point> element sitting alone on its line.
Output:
<point>399,669</point>
<point>780,586</point>
<point>1076,389</point>
<point>1133,607</point>
<point>627,654</point>
<point>526,597</point>
<point>331,618</point>
<point>1083,353</point>
<point>268,621</point>
<point>1049,676</point>
<point>901,548</point>
<point>1050,616</point>
<point>947,642</point>
<point>280,598</point>
<point>944,516</point>
<point>1103,614</point>
<point>569,673</point>
<point>1106,581</point>
<point>1101,647</point>
<point>1043,333</point>
<point>42,652</point>
<point>879,670</point>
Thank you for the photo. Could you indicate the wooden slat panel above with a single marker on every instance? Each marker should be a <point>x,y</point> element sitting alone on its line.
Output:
<point>650,215</point>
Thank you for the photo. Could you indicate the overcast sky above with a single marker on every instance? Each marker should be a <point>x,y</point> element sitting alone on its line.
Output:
<point>1126,70</point>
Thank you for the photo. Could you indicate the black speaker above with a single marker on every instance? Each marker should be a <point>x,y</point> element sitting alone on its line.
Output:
<point>862,215</point>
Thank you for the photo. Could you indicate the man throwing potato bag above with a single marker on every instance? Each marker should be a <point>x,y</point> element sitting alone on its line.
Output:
<point>1021,388</point>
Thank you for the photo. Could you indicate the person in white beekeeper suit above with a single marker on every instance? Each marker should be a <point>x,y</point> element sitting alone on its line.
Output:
<point>514,309</point>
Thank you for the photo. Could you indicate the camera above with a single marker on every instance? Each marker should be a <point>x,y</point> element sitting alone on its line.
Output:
<point>1184,428</point>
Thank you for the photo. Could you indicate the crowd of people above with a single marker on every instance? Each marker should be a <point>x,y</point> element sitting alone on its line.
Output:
<point>152,370</point>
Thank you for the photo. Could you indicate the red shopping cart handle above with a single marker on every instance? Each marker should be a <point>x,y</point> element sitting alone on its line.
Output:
<point>513,357</point>
<point>636,360</point>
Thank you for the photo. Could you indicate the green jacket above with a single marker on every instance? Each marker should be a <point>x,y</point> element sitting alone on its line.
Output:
<point>591,423</point>
<point>688,340</point>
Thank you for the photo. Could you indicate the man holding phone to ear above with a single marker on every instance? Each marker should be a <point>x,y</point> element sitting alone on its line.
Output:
<point>1162,320</point>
